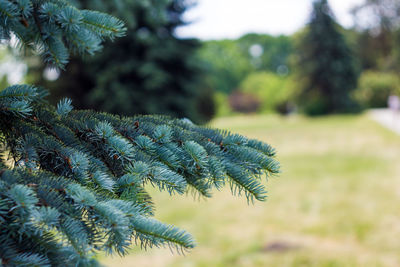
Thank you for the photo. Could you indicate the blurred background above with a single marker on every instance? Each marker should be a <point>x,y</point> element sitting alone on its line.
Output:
<point>319,80</point>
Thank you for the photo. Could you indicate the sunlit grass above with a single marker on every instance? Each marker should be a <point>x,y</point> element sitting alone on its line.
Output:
<point>336,203</point>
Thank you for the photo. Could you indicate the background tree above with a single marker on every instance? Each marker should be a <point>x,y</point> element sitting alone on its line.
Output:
<point>378,21</point>
<point>266,52</point>
<point>230,61</point>
<point>327,65</point>
<point>149,71</point>
<point>375,88</point>
<point>274,92</point>
<point>226,63</point>
<point>74,181</point>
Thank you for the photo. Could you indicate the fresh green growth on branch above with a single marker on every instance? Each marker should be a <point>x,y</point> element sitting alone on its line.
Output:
<point>74,182</point>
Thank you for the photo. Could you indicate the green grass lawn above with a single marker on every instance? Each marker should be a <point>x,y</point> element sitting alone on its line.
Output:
<point>336,203</point>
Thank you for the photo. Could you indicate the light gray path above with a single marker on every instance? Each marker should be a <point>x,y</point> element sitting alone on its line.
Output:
<point>387,118</point>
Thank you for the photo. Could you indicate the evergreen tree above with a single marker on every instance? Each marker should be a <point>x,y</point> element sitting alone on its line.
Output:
<point>149,71</point>
<point>74,181</point>
<point>326,64</point>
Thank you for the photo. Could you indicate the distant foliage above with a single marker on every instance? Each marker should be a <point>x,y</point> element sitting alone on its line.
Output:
<point>378,22</point>
<point>229,62</point>
<point>326,65</point>
<point>375,87</point>
<point>273,91</point>
<point>274,54</point>
<point>3,82</point>
<point>244,102</point>
<point>223,107</point>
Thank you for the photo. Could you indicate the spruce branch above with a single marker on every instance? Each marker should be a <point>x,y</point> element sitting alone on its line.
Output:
<point>78,185</point>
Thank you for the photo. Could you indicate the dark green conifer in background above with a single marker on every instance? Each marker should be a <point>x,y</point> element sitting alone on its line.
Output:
<point>148,71</point>
<point>326,65</point>
<point>72,183</point>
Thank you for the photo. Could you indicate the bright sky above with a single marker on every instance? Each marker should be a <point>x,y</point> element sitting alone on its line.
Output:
<point>219,19</point>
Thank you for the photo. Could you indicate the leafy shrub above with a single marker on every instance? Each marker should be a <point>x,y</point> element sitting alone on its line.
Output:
<point>375,88</point>
<point>273,91</point>
<point>222,104</point>
<point>243,102</point>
